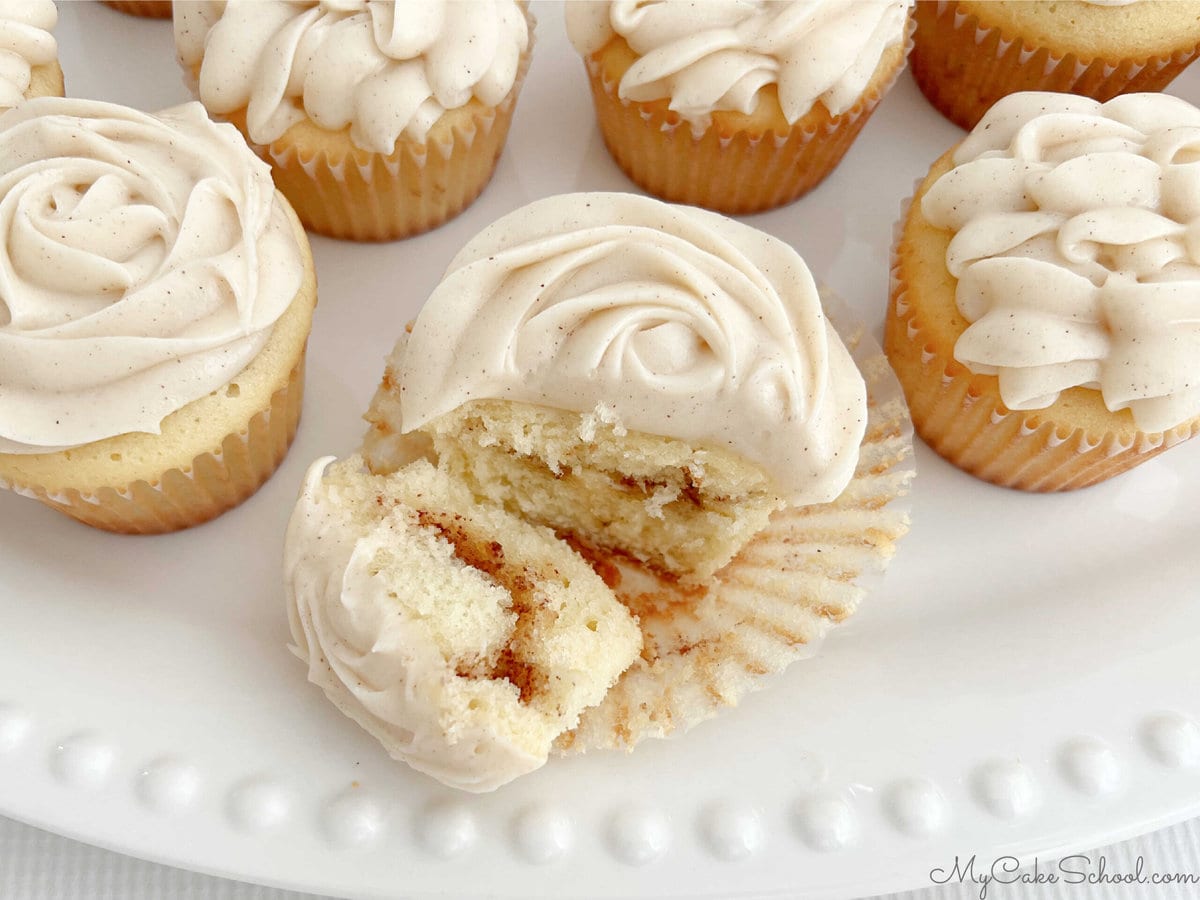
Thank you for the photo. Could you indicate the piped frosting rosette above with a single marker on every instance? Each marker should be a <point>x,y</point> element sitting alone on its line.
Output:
<point>380,119</point>
<point>1077,251</point>
<point>679,322</point>
<point>383,69</point>
<point>145,261</point>
<point>26,43</point>
<point>719,55</point>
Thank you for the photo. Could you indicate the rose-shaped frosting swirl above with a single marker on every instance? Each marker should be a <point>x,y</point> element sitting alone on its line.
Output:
<point>382,68</point>
<point>25,42</point>
<point>1077,251</point>
<point>718,55</point>
<point>679,321</point>
<point>145,259</point>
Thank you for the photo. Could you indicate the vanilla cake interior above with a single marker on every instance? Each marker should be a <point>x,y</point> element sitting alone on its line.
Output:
<point>507,632</point>
<point>684,511</point>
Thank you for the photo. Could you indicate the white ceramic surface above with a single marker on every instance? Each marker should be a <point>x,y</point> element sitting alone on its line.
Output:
<point>1024,681</point>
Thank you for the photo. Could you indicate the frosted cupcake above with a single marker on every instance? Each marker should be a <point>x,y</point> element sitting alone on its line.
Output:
<point>149,9</point>
<point>652,380</point>
<point>380,120</point>
<point>28,52</point>
<point>1044,305</point>
<point>662,388</point>
<point>157,293</point>
<point>970,53</point>
<point>736,106</point>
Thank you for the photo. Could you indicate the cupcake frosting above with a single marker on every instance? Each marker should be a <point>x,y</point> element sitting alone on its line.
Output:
<point>672,320</point>
<point>25,42</point>
<point>383,69</point>
<point>1076,251</point>
<point>145,259</point>
<point>718,55</point>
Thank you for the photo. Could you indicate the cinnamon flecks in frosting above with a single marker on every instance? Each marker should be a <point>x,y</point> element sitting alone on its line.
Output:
<point>144,262</point>
<point>718,55</point>
<point>383,69</point>
<point>25,42</point>
<point>1075,251</point>
<point>679,322</point>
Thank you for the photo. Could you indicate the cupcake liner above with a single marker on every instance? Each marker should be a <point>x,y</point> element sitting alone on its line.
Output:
<point>963,67</point>
<point>369,197</point>
<point>215,481</point>
<point>705,648</point>
<point>736,172</point>
<point>354,194</point>
<point>962,417</point>
<point>149,9</point>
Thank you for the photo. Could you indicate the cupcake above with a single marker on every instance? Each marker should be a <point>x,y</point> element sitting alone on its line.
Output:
<point>967,54</point>
<point>648,379</point>
<point>736,106</point>
<point>28,52</point>
<point>380,120</point>
<point>149,9</point>
<point>157,297</point>
<point>463,639</point>
<point>1044,300</point>
<point>660,387</point>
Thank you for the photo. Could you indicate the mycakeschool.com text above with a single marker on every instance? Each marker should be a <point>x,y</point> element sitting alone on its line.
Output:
<point>1085,870</point>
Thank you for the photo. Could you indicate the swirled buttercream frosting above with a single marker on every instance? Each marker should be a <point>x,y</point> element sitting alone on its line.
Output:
<point>381,68</point>
<point>1076,251</point>
<point>25,42</point>
<point>719,55</point>
<point>145,259</point>
<point>678,321</point>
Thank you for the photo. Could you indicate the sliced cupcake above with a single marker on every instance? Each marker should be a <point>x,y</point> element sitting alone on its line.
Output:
<point>663,388</point>
<point>464,639</point>
<point>647,379</point>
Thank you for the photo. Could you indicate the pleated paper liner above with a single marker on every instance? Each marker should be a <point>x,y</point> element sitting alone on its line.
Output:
<point>961,416</point>
<point>734,172</point>
<point>179,498</point>
<point>149,9</point>
<point>963,67</point>
<point>343,191</point>
<point>705,648</point>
